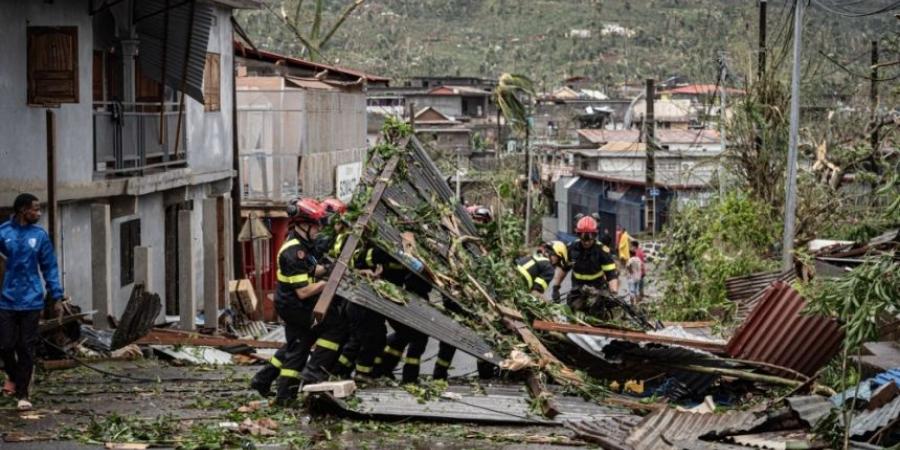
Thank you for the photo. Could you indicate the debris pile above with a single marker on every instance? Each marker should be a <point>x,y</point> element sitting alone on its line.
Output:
<point>626,381</point>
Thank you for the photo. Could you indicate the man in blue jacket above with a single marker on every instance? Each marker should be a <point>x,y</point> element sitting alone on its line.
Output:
<point>30,266</point>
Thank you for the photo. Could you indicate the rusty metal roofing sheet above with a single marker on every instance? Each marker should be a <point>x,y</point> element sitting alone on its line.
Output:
<point>609,432</point>
<point>778,333</point>
<point>497,404</point>
<point>810,409</point>
<point>876,419</point>
<point>746,291</point>
<point>418,314</point>
<point>664,426</point>
<point>778,439</point>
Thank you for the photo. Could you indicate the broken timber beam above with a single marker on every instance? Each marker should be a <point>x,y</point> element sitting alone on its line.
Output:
<point>340,266</point>
<point>172,337</point>
<point>631,336</point>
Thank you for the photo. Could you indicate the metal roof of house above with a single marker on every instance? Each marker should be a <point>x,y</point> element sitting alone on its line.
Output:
<point>665,136</point>
<point>663,181</point>
<point>451,90</point>
<point>244,51</point>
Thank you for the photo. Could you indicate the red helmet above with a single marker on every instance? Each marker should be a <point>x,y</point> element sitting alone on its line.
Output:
<point>480,214</point>
<point>333,205</point>
<point>586,224</point>
<point>306,210</point>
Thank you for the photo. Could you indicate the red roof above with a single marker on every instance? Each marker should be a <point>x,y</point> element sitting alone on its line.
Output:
<point>701,89</point>
<point>263,55</point>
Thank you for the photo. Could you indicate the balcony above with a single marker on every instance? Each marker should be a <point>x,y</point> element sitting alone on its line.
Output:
<point>132,138</point>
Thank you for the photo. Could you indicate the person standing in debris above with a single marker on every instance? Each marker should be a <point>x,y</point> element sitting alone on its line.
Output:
<point>590,264</point>
<point>639,252</point>
<point>624,247</point>
<point>538,269</point>
<point>295,296</point>
<point>31,268</point>
<point>633,268</point>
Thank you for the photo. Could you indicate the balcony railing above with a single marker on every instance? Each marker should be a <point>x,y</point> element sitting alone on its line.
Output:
<point>133,137</point>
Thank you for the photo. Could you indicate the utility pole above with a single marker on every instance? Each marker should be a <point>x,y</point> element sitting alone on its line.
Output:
<point>527,179</point>
<point>761,63</point>
<point>650,129</point>
<point>790,191</point>
<point>873,98</point>
<point>722,75</point>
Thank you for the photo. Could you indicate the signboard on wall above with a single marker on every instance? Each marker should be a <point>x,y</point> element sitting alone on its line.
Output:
<point>346,178</point>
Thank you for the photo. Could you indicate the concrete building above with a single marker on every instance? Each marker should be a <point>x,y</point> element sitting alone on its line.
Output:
<point>301,132</point>
<point>121,113</point>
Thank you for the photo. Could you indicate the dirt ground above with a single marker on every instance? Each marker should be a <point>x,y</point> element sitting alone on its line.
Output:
<point>79,408</point>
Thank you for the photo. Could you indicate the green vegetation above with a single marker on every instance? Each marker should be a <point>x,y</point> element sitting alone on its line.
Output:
<point>659,38</point>
<point>706,246</point>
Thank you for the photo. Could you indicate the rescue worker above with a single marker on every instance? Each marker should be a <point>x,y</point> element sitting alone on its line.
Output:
<point>539,269</point>
<point>295,296</point>
<point>590,264</point>
<point>329,244</point>
<point>404,337</point>
<point>366,339</point>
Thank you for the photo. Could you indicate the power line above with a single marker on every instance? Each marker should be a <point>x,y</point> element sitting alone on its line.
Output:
<point>843,11</point>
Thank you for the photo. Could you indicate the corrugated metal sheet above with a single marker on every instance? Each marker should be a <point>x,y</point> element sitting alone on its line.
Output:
<point>810,409</point>
<point>892,375</point>
<point>748,290</point>
<point>420,315</point>
<point>777,332</point>
<point>869,421</point>
<point>159,48</point>
<point>663,426</point>
<point>609,432</point>
<point>498,404</point>
<point>778,439</point>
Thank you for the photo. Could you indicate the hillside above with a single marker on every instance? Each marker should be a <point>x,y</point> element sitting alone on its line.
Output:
<point>627,40</point>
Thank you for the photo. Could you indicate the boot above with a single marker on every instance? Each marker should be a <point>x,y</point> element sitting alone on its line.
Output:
<point>410,373</point>
<point>288,388</point>
<point>441,372</point>
<point>262,381</point>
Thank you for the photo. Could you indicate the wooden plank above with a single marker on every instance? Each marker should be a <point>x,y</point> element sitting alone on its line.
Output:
<point>631,336</point>
<point>340,266</point>
<point>173,337</point>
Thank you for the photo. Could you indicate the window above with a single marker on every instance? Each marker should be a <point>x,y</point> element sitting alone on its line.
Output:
<point>52,65</point>
<point>211,83</point>
<point>129,238</point>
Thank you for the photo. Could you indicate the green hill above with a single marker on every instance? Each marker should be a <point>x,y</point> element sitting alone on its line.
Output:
<point>656,38</point>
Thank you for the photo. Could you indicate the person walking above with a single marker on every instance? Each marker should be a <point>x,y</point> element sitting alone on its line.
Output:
<point>634,272</point>
<point>624,247</point>
<point>32,275</point>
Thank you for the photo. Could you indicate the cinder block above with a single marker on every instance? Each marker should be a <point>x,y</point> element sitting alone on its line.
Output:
<point>339,389</point>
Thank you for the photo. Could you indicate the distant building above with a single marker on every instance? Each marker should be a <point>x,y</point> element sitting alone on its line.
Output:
<point>674,114</point>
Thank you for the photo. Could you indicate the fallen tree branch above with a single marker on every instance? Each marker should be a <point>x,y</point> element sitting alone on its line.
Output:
<point>750,376</point>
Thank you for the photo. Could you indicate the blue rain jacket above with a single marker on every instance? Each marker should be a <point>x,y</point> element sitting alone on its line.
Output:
<point>29,255</point>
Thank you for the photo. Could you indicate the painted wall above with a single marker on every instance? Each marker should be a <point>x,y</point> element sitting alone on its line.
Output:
<point>447,105</point>
<point>24,131</point>
<point>209,138</point>
<point>74,252</point>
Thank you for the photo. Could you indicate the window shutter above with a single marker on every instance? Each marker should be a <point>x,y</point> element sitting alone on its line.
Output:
<point>52,65</point>
<point>212,83</point>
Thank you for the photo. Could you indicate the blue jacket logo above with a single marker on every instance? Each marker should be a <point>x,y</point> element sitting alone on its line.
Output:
<point>32,242</point>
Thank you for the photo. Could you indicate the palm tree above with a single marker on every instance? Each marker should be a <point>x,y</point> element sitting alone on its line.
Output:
<point>511,95</point>
<point>314,40</point>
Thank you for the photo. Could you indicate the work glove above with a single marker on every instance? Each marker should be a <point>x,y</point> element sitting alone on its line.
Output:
<point>555,294</point>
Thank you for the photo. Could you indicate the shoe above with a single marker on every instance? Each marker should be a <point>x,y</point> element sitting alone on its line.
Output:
<point>9,388</point>
<point>264,389</point>
<point>24,405</point>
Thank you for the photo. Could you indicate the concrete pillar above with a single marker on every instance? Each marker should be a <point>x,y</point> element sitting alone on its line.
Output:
<point>210,262</point>
<point>143,268</point>
<point>101,265</point>
<point>187,302</point>
<point>129,53</point>
<point>228,226</point>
